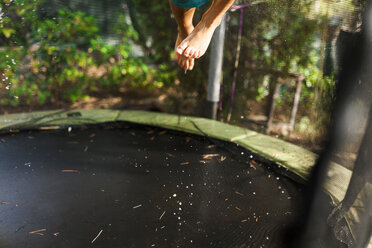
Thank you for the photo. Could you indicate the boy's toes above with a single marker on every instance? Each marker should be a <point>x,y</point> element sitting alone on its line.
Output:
<point>187,65</point>
<point>191,64</point>
<point>198,54</point>
<point>183,64</point>
<point>181,48</point>
<point>193,54</point>
<point>180,63</point>
<point>187,52</point>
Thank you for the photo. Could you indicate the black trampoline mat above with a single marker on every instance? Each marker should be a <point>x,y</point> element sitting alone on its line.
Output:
<point>135,186</point>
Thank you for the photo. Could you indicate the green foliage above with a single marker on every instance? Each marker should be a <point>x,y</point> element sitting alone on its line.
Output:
<point>19,18</point>
<point>68,29</point>
<point>280,43</point>
<point>8,63</point>
<point>64,59</point>
<point>160,30</point>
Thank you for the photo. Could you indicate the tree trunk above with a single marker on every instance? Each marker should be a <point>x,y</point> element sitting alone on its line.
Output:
<point>296,101</point>
<point>272,107</point>
<point>136,26</point>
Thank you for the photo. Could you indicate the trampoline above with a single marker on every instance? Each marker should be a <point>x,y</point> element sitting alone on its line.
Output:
<point>104,178</point>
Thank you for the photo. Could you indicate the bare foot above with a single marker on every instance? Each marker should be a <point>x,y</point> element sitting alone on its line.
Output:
<point>196,43</point>
<point>183,61</point>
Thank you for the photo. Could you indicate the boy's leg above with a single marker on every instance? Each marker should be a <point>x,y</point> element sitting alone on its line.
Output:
<point>195,45</point>
<point>184,19</point>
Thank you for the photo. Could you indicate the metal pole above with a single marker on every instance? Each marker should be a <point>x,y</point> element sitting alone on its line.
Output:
<point>215,71</point>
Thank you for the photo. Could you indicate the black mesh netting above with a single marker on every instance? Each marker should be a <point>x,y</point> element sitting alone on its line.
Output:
<point>350,145</point>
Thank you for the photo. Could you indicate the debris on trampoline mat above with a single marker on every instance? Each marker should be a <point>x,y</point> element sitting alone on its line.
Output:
<point>128,185</point>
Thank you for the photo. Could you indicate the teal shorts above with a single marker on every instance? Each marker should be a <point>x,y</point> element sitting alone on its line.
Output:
<point>188,4</point>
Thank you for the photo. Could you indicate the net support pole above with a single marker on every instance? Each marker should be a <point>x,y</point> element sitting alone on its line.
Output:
<point>215,71</point>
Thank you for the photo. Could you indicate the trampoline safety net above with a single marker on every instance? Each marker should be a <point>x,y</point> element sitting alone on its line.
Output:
<point>350,135</point>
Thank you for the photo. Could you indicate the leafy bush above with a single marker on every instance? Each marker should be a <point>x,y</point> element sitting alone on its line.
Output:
<point>64,58</point>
